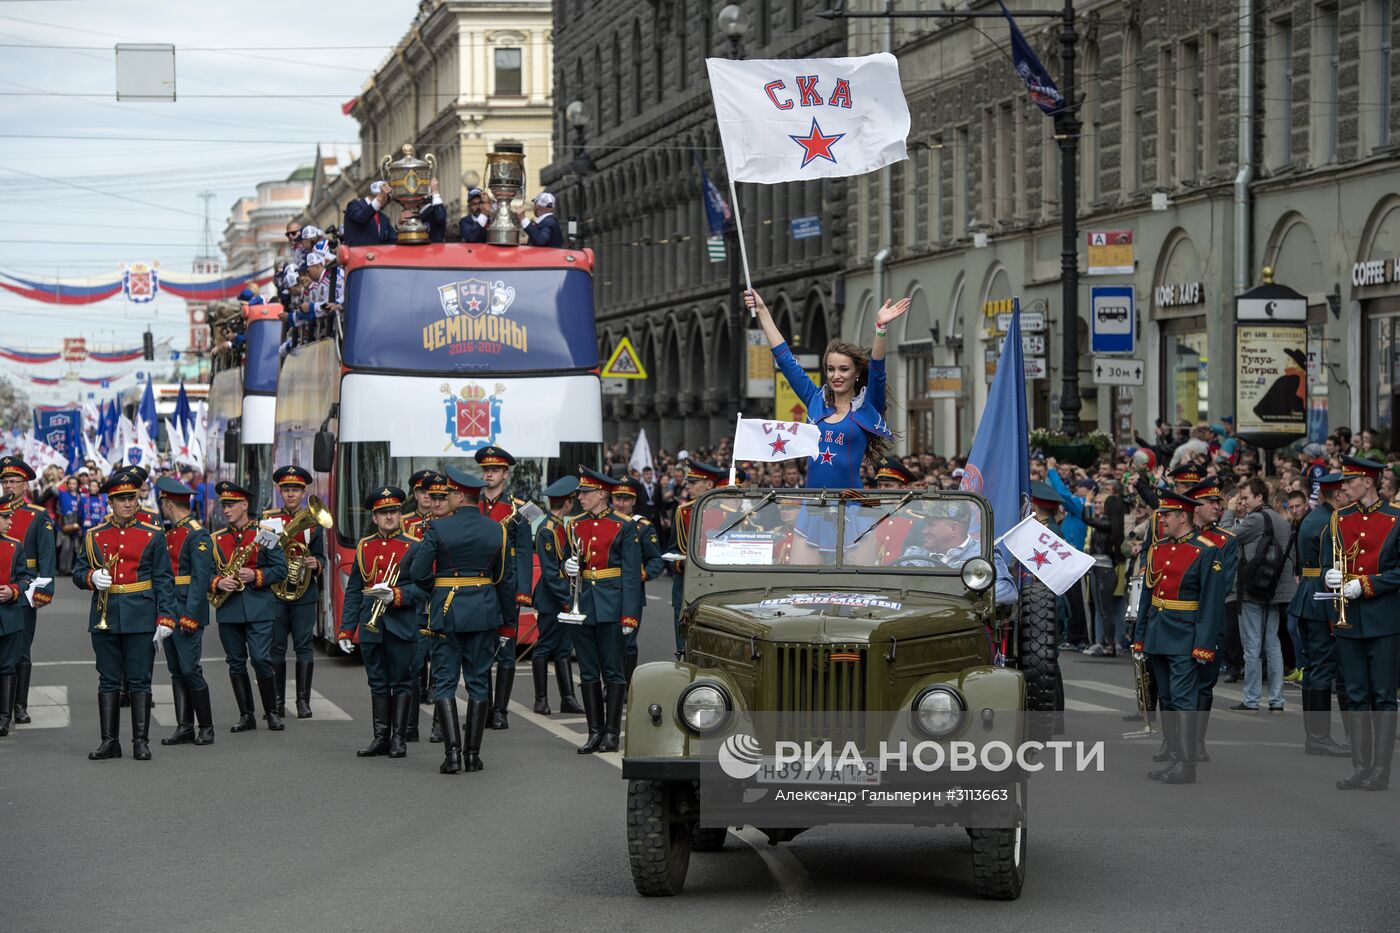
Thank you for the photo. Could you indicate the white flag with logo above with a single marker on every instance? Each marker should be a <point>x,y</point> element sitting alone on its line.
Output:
<point>795,119</point>
<point>1056,563</point>
<point>770,441</point>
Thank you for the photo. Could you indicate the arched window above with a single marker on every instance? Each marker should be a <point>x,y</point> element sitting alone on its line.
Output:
<point>1132,106</point>
<point>616,79</point>
<point>682,14</point>
<point>636,68</point>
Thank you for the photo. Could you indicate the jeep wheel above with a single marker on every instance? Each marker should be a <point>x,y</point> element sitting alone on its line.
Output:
<point>659,828</point>
<point>999,855</point>
<point>1038,654</point>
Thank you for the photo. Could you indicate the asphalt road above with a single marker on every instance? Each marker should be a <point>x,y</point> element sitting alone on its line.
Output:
<point>290,830</point>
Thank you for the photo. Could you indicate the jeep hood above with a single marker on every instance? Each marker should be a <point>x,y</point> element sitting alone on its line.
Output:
<point>816,616</point>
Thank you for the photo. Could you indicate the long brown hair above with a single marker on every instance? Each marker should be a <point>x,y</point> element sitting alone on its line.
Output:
<point>875,446</point>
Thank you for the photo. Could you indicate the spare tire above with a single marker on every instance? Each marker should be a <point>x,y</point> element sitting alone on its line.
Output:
<point>1037,648</point>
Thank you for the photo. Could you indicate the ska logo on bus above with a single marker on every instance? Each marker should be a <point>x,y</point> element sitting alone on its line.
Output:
<point>473,418</point>
<point>474,319</point>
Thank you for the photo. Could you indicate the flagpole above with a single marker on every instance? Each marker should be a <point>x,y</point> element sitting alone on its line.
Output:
<point>733,465</point>
<point>739,228</point>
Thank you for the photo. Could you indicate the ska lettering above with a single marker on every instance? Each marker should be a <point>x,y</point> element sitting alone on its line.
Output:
<point>809,95</point>
<point>831,437</point>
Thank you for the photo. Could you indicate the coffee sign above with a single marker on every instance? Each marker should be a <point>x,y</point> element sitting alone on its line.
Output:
<point>1179,294</point>
<point>1375,272</point>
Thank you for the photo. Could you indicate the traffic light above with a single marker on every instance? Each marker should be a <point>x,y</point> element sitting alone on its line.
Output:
<point>148,346</point>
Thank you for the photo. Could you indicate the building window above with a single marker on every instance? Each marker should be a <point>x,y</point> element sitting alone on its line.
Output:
<point>1210,106</point>
<point>1185,365</point>
<point>764,16</point>
<point>922,195</point>
<point>658,52</point>
<point>616,79</point>
<point>1166,116</point>
<point>962,183</point>
<point>1382,352</point>
<point>1278,103</point>
<point>986,210</point>
<point>508,74</point>
<point>1132,106</point>
<point>1325,63</point>
<point>681,52</point>
<point>1377,35</point>
<point>935,181</point>
<point>1188,111</point>
<point>636,68</point>
<point>1089,133</point>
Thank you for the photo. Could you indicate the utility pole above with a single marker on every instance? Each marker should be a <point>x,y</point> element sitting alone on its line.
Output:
<point>206,251</point>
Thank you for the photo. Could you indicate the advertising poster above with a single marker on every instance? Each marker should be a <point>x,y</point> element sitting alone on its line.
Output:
<point>1271,380</point>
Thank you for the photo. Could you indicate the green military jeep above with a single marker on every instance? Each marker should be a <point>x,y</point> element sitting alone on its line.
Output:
<point>893,635</point>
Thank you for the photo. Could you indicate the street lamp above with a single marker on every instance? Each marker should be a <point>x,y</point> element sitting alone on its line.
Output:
<point>734,25</point>
<point>576,115</point>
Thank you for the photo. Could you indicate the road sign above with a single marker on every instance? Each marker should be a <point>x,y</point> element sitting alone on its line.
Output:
<point>1032,322</point>
<point>945,382</point>
<point>1033,344</point>
<point>1119,371</point>
<point>1110,252</point>
<point>624,363</point>
<point>760,366</point>
<point>1035,367</point>
<point>614,386</point>
<point>786,404</point>
<point>1111,317</point>
<point>804,228</point>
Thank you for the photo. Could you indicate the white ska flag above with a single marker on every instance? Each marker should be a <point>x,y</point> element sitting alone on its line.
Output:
<point>770,441</point>
<point>794,119</point>
<point>1055,562</point>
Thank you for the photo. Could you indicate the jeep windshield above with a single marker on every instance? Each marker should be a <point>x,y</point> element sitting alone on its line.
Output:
<point>920,531</point>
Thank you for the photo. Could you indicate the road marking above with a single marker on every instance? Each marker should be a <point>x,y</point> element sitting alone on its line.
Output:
<point>48,708</point>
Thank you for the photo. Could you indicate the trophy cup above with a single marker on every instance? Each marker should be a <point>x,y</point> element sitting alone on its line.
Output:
<point>408,179</point>
<point>505,179</point>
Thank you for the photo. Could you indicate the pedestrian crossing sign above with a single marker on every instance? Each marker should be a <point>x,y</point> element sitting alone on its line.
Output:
<point>624,363</point>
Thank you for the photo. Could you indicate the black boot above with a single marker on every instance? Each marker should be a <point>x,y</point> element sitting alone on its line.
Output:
<point>1362,743</point>
<point>109,717</point>
<point>7,702</point>
<point>445,712</point>
<point>500,702</point>
<point>564,677</point>
<point>1317,724</point>
<point>203,715</point>
<point>304,669</point>
<point>415,706</point>
<point>243,696</point>
<point>125,693</point>
<point>1184,771</point>
<point>279,679</point>
<point>184,720</point>
<point>435,733</point>
<point>1169,724</point>
<point>539,673</point>
<point>1163,752</point>
<point>476,727</point>
<point>267,691</point>
<point>141,726</point>
<point>629,664</point>
<point>379,716</point>
<point>593,709</point>
<point>1383,750</point>
<point>398,724</point>
<point>612,722</point>
<point>1343,708</point>
<point>1202,724</point>
<point>22,672</point>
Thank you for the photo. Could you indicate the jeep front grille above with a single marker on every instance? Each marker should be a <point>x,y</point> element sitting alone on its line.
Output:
<point>820,678</point>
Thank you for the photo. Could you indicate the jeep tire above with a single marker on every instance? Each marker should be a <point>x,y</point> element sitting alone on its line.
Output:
<point>999,854</point>
<point>661,819</point>
<point>1037,651</point>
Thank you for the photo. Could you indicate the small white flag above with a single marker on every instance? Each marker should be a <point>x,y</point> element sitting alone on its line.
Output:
<point>1055,562</point>
<point>641,453</point>
<point>770,441</point>
<point>796,119</point>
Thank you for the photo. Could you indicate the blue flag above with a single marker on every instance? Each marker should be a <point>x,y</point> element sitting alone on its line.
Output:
<point>999,468</point>
<point>184,415</point>
<point>108,430</point>
<point>61,430</point>
<point>1044,93</point>
<point>146,411</point>
<point>717,210</point>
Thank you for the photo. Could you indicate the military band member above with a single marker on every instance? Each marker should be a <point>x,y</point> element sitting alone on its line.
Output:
<point>387,648</point>
<point>1320,676</point>
<point>893,532</point>
<point>505,509</point>
<point>413,527</point>
<point>608,560</point>
<point>624,502</point>
<point>464,559</point>
<point>1368,647</point>
<point>192,565</point>
<point>554,595</point>
<point>1182,577</point>
<point>422,509</point>
<point>246,618</point>
<point>126,564</point>
<point>440,496</point>
<point>297,620</point>
<point>700,478</point>
<point>31,526</point>
<point>15,577</point>
<point>1210,503</point>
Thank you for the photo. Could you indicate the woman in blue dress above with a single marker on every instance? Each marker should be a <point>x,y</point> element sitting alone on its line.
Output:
<point>849,410</point>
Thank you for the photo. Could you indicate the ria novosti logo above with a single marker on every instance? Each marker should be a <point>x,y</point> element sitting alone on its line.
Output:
<point>740,756</point>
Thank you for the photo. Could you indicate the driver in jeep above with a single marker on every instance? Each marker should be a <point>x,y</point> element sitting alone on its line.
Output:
<point>946,542</point>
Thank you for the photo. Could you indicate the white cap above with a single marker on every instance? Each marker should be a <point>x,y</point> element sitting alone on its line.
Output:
<point>543,199</point>
<point>683,455</point>
<point>311,233</point>
<point>375,187</point>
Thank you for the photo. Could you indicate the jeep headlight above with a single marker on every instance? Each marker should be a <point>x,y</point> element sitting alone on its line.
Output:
<point>705,707</point>
<point>938,711</point>
<point>978,574</point>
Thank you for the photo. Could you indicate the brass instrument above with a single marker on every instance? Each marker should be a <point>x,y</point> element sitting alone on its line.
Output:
<point>230,569</point>
<point>1141,680</point>
<point>1339,562</point>
<point>109,565</point>
<point>391,577</point>
<point>574,617</point>
<point>297,582</point>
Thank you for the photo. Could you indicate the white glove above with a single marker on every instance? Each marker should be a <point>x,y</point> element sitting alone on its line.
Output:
<point>101,579</point>
<point>346,645</point>
<point>162,633</point>
<point>1333,578</point>
<point>1352,590</point>
<point>571,566</point>
<point>382,592</point>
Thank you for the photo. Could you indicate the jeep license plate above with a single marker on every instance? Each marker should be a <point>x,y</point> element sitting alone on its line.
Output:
<point>864,773</point>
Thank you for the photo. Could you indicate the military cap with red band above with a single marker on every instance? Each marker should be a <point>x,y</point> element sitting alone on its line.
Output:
<point>1353,467</point>
<point>14,466</point>
<point>494,457</point>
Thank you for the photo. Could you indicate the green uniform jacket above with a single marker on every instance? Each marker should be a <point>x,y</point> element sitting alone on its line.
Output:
<point>1182,608</point>
<point>144,558</point>
<point>39,543</point>
<point>506,511</point>
<point>192,561</point>
<point>255,602</point>
<point>612,599</point>
<point>19,576</point>
<point>553,593</point>
<point>402,616</point>
<point>466,546</point>
<point>1315,525</point>
<point>1375,561</point>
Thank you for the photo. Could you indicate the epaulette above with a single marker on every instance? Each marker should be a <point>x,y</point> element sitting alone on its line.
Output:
<point>195,525</point>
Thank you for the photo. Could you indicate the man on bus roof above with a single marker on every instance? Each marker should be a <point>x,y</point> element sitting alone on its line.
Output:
<point>473,226</point>
<point>366,224</point>
<point>543,229</point>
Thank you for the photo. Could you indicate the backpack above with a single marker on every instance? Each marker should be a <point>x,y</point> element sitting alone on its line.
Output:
<point>1259,577</point>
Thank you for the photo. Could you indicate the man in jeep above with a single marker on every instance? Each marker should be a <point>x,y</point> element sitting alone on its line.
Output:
<point>945,540</point>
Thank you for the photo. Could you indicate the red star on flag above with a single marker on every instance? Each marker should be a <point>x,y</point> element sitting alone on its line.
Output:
<point>816,145</point>
<point>1040,558</point>
<point>826,456</point>
<point>779,446</point>
<point>474,304</point>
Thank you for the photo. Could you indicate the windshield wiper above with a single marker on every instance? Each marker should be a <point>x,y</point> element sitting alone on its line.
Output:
<point>897,506</point>
<point>740,520</point>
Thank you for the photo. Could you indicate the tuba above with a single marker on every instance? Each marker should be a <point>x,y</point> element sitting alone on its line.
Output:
<point>298,580</point>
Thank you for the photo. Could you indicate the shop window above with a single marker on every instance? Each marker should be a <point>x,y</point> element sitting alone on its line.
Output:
<point>1185,368</point>
<point>1382,352</point>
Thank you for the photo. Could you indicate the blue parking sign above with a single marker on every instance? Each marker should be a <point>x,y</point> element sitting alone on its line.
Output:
<point>1112,318</point>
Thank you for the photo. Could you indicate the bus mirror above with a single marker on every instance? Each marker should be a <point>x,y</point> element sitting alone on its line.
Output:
<point>323,454</point>
<point>232,441</point>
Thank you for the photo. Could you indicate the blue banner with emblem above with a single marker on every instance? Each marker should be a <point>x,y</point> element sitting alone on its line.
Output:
<point>470,320</point>
<point>60,429</point>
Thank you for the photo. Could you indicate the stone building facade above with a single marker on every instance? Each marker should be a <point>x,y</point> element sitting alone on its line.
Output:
<point>255,233</point>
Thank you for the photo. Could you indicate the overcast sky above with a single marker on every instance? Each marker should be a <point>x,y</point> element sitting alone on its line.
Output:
<point>89,183</point>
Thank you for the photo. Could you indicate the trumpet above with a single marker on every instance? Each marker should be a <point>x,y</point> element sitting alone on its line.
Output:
<point>109,565</point>
<point>391,577</point>
<point>1339,563</point>
<point>1141,682</point>
<point>575,617</point>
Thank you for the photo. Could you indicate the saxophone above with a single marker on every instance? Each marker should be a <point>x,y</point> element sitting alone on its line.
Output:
<point>236,560</point>
<point>294,587</point>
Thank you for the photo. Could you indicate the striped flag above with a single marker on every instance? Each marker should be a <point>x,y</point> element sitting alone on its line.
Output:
<point>715,246</point>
